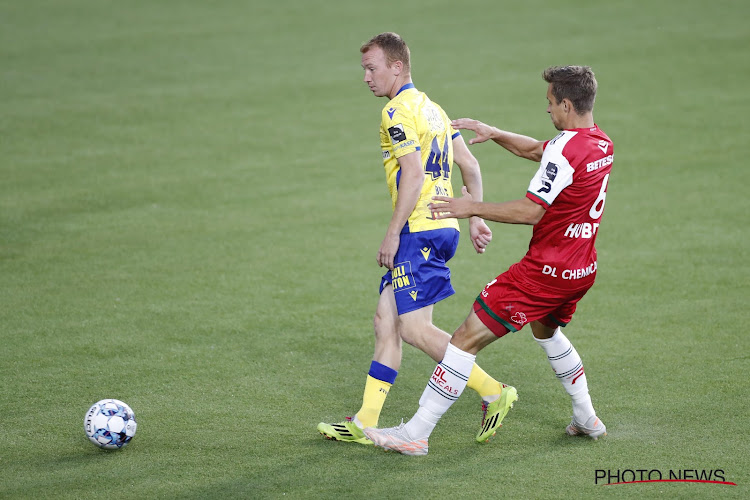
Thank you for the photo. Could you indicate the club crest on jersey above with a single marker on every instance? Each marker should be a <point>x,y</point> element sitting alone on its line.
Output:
<point>397,133</point>
<point>391,112</point>
<point>548,178</point>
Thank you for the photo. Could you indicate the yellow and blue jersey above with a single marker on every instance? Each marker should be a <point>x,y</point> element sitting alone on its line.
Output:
<point>412,122</point>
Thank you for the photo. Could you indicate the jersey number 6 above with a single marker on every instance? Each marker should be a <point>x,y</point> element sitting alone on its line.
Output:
<point>598,207</point>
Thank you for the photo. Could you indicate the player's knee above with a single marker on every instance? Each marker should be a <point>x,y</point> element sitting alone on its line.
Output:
<point>472,340</point>
<point>384,326</point>
<point>409,334</point>
<point>461,339</point>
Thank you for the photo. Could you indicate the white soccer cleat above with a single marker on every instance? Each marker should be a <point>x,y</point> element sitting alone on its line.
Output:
<point>593,428</point>
<point>396,439</point>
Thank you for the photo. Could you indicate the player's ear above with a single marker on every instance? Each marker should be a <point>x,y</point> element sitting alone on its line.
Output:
<point>567,105</point>
<point>398,67</point>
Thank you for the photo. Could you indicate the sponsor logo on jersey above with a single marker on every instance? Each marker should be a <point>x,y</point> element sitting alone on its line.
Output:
<point>391,111</point>
<point>601,162</point>
<point>603,145</point>
<point>397,133</point>
<point>548,178</point>
<point>425,252</point>
<point>570,274</point>
<point>405,144</point>
<point>576,274</point>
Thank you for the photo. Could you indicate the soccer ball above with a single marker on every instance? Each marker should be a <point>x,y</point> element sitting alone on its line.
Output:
<point>110,424</point>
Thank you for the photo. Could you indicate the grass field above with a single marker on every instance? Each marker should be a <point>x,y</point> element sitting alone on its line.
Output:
<point>192,198</point>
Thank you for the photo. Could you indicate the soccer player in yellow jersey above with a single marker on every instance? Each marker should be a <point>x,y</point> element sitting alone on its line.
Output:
<point>419,147</point>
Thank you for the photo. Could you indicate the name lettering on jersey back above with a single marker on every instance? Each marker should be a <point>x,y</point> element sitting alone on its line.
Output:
<point>585,230</point>
<point>432,115</point>
<point>601,162</point>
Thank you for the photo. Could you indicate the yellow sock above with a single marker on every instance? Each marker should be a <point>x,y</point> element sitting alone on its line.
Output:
<point>372,401</point>
<point>481,382</point>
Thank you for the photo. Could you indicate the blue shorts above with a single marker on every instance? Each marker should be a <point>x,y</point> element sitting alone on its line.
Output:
<point>420,275</point>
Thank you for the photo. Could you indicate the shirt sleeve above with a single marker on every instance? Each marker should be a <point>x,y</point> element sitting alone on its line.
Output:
<point>554,175</point>
<point>400,125</point>
<point>454,133</point>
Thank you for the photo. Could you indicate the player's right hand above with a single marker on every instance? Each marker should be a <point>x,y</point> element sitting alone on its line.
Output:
<point>482,130</point>
<point>387,251</point>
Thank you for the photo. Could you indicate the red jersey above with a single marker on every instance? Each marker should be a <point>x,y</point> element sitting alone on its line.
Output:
<point>571,184</point>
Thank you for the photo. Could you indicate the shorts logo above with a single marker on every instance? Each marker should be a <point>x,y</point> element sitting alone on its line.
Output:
<point>401,277</point>
<point>397,133</point>
<point>425,252</point>
<point>485,294</point>
<point>413,294</point>
<point>519,318</point>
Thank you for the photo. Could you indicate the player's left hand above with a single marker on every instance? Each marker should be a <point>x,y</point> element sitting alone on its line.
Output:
<point>459,208</point>
<point>480,234</point>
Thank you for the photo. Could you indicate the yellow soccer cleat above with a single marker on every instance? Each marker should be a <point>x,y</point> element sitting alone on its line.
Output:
<point>346,431</point>
<point>494,413</point>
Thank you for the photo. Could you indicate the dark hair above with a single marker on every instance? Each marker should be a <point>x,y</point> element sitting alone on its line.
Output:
<point>577,83</point>
<point>393,46</point>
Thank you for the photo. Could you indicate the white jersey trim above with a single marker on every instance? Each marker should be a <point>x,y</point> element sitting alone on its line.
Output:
<point>555,172</point>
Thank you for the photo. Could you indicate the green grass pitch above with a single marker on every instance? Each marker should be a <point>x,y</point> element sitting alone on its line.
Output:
<point>192,198</point>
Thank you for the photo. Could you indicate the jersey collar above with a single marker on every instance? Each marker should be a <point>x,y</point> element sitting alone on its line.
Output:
<point>407,86</point>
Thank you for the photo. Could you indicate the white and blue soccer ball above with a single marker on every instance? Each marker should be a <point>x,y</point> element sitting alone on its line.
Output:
<point>110,424</point>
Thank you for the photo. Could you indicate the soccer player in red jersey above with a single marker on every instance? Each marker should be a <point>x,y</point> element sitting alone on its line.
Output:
<point>564,202</point>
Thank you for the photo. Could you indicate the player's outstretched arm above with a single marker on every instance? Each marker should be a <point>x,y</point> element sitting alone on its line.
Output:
<point>519,145</point>
<point>479,232</point>
<point>523,211</point>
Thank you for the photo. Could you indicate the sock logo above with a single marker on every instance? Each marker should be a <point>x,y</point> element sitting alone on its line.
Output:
<point>438,378</point>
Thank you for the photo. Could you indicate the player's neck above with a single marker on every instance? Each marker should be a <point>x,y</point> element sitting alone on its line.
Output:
<point>579,121</point>
<point>398,85</point>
